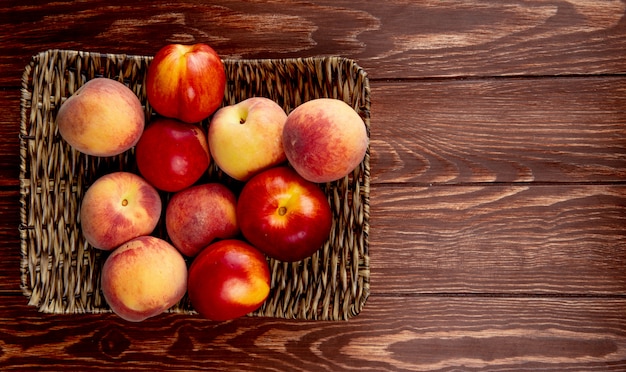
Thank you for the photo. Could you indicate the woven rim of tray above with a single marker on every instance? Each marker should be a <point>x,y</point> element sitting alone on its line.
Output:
<point>60,272</point>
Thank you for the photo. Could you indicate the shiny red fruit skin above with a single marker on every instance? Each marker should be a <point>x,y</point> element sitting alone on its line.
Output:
<point>186,82</point>
<point>283,215</point>
<point>172,155</point>
<point>224,273</point>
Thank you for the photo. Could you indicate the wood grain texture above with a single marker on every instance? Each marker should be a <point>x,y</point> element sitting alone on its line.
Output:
<point>9,138</point>
<point>498,196</point>
<point>391,39</point>
<point>499,130</point>
<point>391,334</point>
<point>10,248</point>
<point>512,239</point>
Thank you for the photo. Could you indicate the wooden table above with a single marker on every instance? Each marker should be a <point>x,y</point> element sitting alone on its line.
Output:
<point>498,194</point>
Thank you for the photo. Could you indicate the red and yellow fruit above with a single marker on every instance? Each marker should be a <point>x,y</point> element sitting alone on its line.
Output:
<point>246,138</point>
<point>143,278</point>
<point>172,155</point>
<point>281,212</point>
<point>102,118</point>
<point>284,215</point>
<point>186,82</point>
<point>324,139</point>
<point>118,207</point>
<point>228,279</point>
<point>198,215</point>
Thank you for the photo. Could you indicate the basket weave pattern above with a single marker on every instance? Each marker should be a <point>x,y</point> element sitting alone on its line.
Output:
<point>60,272</point>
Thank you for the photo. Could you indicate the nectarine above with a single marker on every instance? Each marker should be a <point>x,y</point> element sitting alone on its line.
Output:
<point>283,215</point>
<point>186,82</point>
<point>228,279</point>
<point>172,155</point>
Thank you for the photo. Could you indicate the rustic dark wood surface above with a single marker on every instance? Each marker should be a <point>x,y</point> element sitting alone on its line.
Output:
<point>498,197</point>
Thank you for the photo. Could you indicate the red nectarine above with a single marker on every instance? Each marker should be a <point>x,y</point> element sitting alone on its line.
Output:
<point>186,82</point>
<point>284,215</point>
<point>228,279</point>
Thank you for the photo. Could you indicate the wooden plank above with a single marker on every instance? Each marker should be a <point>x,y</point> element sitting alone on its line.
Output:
<point>515,239</point>
<point>10,238</point>
<point>499,130</point>
<point>9,137</point>
<point>392,39</point>
<point>391,334</point>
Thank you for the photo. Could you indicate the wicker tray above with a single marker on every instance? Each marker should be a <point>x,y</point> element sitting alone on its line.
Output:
<point>60,272</point>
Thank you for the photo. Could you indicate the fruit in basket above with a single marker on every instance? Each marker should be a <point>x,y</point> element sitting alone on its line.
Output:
<point>143,278</point>
<point>102,118</point>
<point>198,215</point>
<point>246,138</point>
<point>324,139</point>
<point>118,207</point>
<point>228,279</point>
<point>186,82</point>
<point>172,155</point>
<point>284,215</point>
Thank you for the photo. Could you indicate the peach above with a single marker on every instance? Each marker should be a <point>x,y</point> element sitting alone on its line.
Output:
<point>102,118</point>
<point>118,207</point>
<point>143,278</point>
<point>324,139</point>
<point>196,216</point>
<point>246,138</point>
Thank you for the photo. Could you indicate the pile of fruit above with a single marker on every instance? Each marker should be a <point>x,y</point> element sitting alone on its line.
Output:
<point>279,212</point>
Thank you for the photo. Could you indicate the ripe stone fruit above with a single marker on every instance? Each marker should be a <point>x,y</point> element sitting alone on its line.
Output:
<point>172,155</point>
<point>143,278</point>
<point>186,82</point>
<point>283,215</point>
<point>246,138</point>
<point>324,139</point>
<point>102,118</point>
<point>198,215</point>
<point>118,207</point>
<point>228,279</point>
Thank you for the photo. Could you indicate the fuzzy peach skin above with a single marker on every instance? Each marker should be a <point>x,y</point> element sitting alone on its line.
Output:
<point>324,139</point>
<point>247,137</point>
<point>198,215</point>
<point>143,278</point>
<point>102,118</point>
<point>118,207</point>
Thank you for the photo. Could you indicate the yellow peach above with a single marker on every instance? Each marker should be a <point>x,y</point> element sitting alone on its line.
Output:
<point>143,278</point>
<point>246,138</point>
<point>324,139</point>
<point>198,215</point>
<point>118,207</point>
<point>102,118</point>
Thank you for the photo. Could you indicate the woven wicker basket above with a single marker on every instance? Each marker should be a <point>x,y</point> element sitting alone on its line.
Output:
<point>60,272</point>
